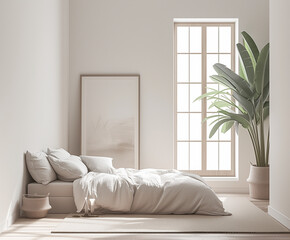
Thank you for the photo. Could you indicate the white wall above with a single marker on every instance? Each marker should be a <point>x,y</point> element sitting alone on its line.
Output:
<point>33,92</point>
<point>279,111</point>
<point>136,37</point>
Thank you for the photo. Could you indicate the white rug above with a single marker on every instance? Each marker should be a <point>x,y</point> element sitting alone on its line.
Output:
<point>246,218</point>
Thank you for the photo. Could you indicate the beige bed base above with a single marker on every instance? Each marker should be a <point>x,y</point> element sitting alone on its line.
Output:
<point>60,195</point>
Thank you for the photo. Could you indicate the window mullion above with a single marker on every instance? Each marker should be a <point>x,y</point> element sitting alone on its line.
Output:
<point>203,83</point>
<point>218,132</point>
<point>189,98</point>
<point>233,137</point>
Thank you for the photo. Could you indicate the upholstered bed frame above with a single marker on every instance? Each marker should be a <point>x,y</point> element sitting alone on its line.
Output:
<point>60,195</point>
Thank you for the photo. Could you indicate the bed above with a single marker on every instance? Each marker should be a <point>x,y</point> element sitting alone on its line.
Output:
<point>75,183</point>
<point>147,191</point>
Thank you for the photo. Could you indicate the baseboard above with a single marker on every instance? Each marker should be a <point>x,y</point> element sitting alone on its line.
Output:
<point>9,221</point>
<point>6,224</point>
<point>280,217</point>
<point>2,227</point>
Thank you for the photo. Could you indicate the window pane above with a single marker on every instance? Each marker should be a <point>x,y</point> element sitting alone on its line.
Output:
<point>195,68</point>
<point>195,126</point>
<point>212,39</point>
<point>195,39</point>
<point>212,156</point>
<point>195,156</point>
<point>182,39</point>
<point>225,156</point>
<point>182,67</point>
<point>211,60</point>
<point>225,39</point>
<point>182,98</point>
<point>195,92</point>
<point>182,126</point>
<point>210,88</point>
<point>226,60</point>
<point>182,156</point>
<point>209,127</point>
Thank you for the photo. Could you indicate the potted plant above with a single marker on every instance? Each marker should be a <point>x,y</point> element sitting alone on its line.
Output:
<point>245,102</point>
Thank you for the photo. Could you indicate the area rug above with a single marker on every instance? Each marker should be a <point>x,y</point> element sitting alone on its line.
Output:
<point>245,218</point>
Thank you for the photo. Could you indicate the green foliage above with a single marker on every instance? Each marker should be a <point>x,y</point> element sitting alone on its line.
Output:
<point>245,101</point>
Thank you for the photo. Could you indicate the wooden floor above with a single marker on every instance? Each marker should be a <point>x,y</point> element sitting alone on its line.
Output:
<point>40,229</point>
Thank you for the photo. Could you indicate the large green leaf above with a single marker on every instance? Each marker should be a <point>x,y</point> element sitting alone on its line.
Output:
<point>229,102</point>
<point>208,95</point>
<point>266,109</point>
<point>262,101</point>
<point>267,72</point>
<point>217,125</point>
<point>246,64</point>
<point>224,91</point>
<point>241,72</point>
<point>224,81</point>
<point>220,117</point>
<point>240,118</point>
<point>209,117</point>
<point>239,83</point>
<point>251,47</point>
<point>220,103</point>
<point>266,93</point>
<point>262,70</point>
<point>227,126</point>
<point>245,103</point>
<point>266,112</point>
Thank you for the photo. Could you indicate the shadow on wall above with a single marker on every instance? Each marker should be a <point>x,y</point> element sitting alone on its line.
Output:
<point>14,209</point>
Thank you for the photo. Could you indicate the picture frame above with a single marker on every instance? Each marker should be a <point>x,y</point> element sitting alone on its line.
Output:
<point>110,118</point>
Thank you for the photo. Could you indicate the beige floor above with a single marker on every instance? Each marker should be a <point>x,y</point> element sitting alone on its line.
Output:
<point>40,229</point>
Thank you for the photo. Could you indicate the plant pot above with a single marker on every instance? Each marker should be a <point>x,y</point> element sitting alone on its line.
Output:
<point>259,182</point>
<point>35,206</point>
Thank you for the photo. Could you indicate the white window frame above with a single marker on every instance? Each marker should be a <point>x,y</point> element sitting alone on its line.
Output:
<point>204,24</point>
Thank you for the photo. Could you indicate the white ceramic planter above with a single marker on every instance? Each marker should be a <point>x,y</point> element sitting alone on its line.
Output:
<point>259,182</point>
<point>35,206</point>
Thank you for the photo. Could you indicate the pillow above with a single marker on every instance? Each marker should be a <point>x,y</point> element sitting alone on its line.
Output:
<point>58,153</point>
<point>68,169</point>
<point>98,164</point>
<point>39,167</point>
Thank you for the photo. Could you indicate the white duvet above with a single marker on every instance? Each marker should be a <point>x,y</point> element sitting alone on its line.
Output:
<point>147,191</point>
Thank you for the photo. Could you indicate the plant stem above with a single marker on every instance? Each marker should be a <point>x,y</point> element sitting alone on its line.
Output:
<point>254,144</point>
<point>256,137</point>
<point>262,140</point>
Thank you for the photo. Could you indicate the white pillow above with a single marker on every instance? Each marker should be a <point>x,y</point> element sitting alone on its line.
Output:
<point>58,153</point>
<point>98,164</point>
<point>68,169</point>
<point>39,167</point>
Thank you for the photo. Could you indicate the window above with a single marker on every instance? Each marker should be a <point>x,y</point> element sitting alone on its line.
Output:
<point>198,46</point>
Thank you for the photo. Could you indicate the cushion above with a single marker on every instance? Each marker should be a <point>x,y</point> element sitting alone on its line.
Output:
<point>98,164</point>
<point>59,153</point>
<point>39,167</point>
<point>68,169</point>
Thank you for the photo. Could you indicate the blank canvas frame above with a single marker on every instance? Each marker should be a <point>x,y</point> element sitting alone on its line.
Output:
<point>110,118</point>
